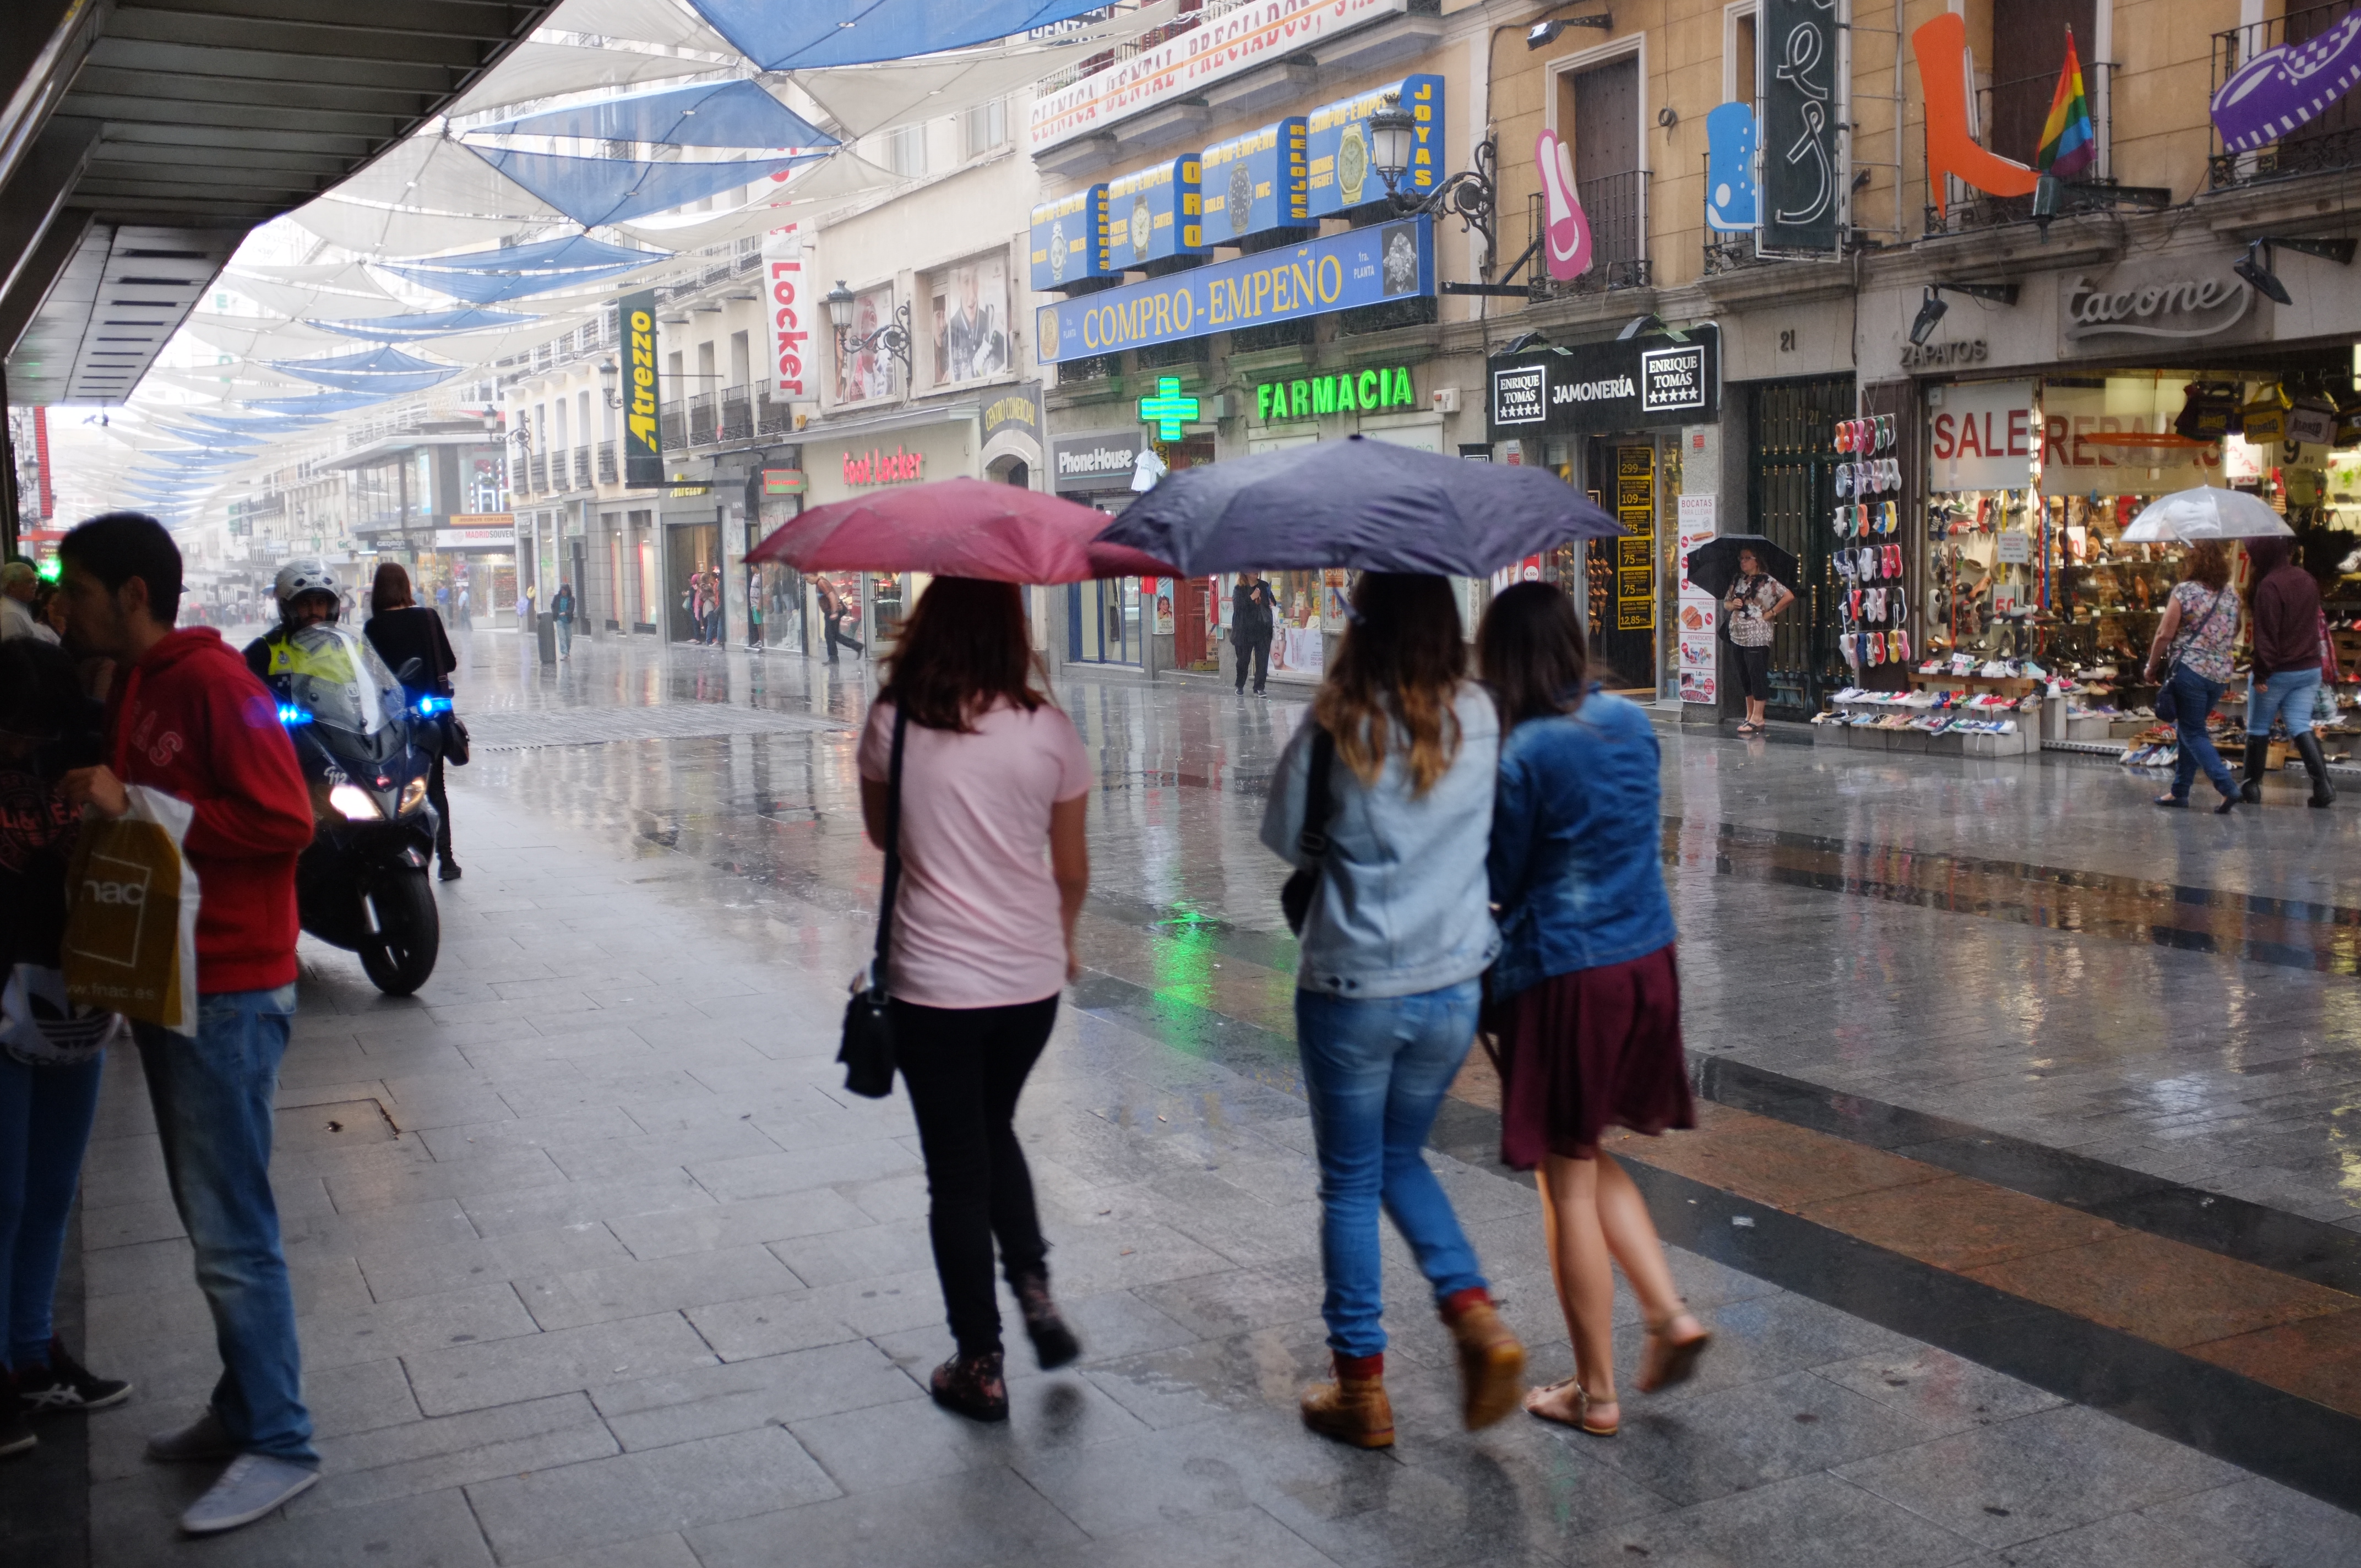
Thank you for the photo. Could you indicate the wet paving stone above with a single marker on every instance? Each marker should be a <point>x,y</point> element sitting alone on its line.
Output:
<point>693,1271</point>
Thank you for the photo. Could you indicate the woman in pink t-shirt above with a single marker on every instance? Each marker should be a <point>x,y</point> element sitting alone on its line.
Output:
<point>993,774</point>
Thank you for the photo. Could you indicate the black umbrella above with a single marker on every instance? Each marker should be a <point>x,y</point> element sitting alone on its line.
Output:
<point>1359,503</point>
<point>1713,565</point>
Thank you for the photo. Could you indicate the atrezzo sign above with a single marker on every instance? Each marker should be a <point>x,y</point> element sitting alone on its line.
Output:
<point>1348,392</point>
<point>636,325</point>
<point>894,467</point>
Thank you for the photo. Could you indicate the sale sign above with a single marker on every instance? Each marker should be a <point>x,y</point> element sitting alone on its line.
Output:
<point>1981,437</point>
<point>783,281</point>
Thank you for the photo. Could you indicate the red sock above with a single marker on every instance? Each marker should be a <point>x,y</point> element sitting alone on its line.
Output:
<point>1360,1369</point>
<point>1458,1301</point>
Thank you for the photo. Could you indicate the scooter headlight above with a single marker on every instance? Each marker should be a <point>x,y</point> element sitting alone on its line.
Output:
<point>412,794</point>
<point>356,803</point>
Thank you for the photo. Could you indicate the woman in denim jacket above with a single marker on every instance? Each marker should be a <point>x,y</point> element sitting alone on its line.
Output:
<point>1587,1000</point>
<point>1394,946</point>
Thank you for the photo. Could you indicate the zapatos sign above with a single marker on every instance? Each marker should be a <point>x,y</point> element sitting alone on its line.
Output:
<point>1600,388</point>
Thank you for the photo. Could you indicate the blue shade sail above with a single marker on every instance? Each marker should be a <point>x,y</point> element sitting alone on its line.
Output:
<point>812,33</point>
<point>319,402</point>
<point>388,358</point>
<point>260,424</point>
<point>542,255</point>
<point>595,190</point>
<point>491,287</point>
<point>380,383</point>
<point>708,113</point>
<point>419,325</point>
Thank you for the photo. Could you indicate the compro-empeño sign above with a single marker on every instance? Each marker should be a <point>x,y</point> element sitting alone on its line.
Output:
<point>1374,391</point>
<point>1362,267</point>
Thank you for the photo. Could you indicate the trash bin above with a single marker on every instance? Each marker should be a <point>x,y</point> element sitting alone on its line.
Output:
<point>545,637</point>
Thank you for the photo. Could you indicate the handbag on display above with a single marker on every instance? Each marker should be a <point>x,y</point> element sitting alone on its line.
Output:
<point>866,1052</point>
<point>1295,897</point>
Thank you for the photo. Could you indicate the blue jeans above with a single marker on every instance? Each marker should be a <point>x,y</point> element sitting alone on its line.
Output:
<point>2287,695</point>
<point>2196,696</point>
<point>1375,1070</point>
<point>213,1098</point>
<point>45,1119</point>
<point>564,638</point>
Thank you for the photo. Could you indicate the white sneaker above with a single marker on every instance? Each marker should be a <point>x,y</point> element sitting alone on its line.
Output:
<point>253,1486</point>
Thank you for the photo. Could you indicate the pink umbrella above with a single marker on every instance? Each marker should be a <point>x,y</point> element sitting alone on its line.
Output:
<point>956,528</point>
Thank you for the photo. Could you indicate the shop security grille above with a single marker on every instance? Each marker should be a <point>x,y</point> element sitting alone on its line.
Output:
<point>1791,496</point>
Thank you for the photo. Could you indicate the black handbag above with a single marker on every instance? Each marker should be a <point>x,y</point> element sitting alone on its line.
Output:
<point>1295,898</point>
<point>867,1052</point>
<point>456,746</point>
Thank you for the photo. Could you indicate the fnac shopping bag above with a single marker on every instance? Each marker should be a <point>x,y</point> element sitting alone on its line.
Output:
<point>131,915</point>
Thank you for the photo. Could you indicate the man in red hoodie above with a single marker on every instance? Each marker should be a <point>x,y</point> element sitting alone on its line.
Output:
<point>187,717</point>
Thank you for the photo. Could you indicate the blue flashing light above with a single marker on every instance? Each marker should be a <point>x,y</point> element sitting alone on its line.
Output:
<point>428,706</point>
<point>290,716</point>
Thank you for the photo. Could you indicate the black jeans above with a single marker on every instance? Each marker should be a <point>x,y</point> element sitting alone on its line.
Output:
<point>836,639</point>
<point>1256,653</point>
<point>1753,666</point>
<point>964,1068</point>
<point>442,803</point>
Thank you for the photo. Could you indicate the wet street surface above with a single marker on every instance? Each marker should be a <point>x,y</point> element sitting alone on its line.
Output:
<point>2026,1212</point>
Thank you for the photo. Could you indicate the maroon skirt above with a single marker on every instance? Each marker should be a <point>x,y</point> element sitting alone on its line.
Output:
<point>1585,1051</point>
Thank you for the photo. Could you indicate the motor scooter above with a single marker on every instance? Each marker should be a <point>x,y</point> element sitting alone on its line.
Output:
<point>366,749</point>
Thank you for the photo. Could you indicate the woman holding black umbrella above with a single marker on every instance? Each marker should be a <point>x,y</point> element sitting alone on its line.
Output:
<point>1396,936</point>
<point>1754,600</point>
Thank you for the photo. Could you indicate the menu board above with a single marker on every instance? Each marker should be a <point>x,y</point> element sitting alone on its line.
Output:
<point>1341,172</point>
<point>1697,663</point>
<point>1254,183</point>
<point>1155,212</point>
<point>1635,561</point>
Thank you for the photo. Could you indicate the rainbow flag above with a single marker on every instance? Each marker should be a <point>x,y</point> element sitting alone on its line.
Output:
<point>2067,145</point>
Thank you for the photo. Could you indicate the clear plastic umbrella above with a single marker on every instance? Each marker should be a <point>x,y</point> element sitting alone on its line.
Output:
<point>2205,513</point>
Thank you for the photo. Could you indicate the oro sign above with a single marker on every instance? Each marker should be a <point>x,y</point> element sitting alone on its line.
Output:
<point>783,277</point>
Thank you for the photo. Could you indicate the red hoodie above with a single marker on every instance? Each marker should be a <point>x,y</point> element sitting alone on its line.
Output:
<point>191,720</point>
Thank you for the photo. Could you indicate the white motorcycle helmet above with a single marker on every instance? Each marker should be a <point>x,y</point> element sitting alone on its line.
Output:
<point>304,574</point>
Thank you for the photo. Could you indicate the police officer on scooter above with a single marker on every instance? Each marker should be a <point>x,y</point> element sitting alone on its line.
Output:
<point>308,594</point>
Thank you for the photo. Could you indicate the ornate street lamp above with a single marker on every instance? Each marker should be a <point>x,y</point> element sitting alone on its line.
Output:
<point>894,337</point>
<point>1468,196</point>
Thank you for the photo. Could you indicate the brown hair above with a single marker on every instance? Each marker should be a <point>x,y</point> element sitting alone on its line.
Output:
<point>2208,564</point>
<point>1400,660</point>
<point>1530,647</point>
<point>963,649</point>
<point>390,589</point>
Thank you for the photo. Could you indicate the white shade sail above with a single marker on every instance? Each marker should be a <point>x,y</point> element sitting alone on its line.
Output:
<point>534,71</point>
<point>393,233</point>
<point>648,21</point>
<point>440,176</point>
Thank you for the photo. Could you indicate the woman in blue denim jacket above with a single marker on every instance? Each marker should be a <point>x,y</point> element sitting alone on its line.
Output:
<point>1586,998</point>
<point>1394,946</point>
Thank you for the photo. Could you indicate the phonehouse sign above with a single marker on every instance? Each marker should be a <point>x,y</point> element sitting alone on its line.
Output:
<point>1069,240</point>
<point>1342,170</point>
<point>1154,214</point>
<point>635,325</point>
<point>782,275</point>
<point>1350,391</point>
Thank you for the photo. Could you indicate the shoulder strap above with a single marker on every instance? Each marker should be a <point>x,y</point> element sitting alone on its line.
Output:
<point>1314,839</point>
<point>892,852</point>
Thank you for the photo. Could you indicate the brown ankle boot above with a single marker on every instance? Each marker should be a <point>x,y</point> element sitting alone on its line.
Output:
<point>1492,1361</point>
<point>1354,1408</point>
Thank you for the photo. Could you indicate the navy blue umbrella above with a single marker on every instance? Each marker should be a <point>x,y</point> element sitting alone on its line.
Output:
<point>1365,504</point>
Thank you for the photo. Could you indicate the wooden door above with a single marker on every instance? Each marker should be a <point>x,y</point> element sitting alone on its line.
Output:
<point>2028,50</point>
<point>1602,107</point>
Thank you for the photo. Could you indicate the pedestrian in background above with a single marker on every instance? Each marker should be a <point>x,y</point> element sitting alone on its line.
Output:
<point>1254,619</point>
<point>1586,1002</point>
<point>1394,946</point>
<point>1754,600</point>
<point>2201,627</point>
<point>561,608</point>
<point>833,612</point>
<point>189,719</point>
<point>991,775</point>
<point>51,1051</point>
<point>2291,656</point>
<point>20,584</point>
<point>467,622</point>
<point>402,630</point>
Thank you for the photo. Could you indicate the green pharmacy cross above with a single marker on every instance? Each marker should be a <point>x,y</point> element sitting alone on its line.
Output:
<point>1167,410</point>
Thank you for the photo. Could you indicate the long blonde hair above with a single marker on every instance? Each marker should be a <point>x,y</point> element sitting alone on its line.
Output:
<point>1400,660</point>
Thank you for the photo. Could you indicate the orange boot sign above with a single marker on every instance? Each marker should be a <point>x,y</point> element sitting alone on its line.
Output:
<point>1941,47</point>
